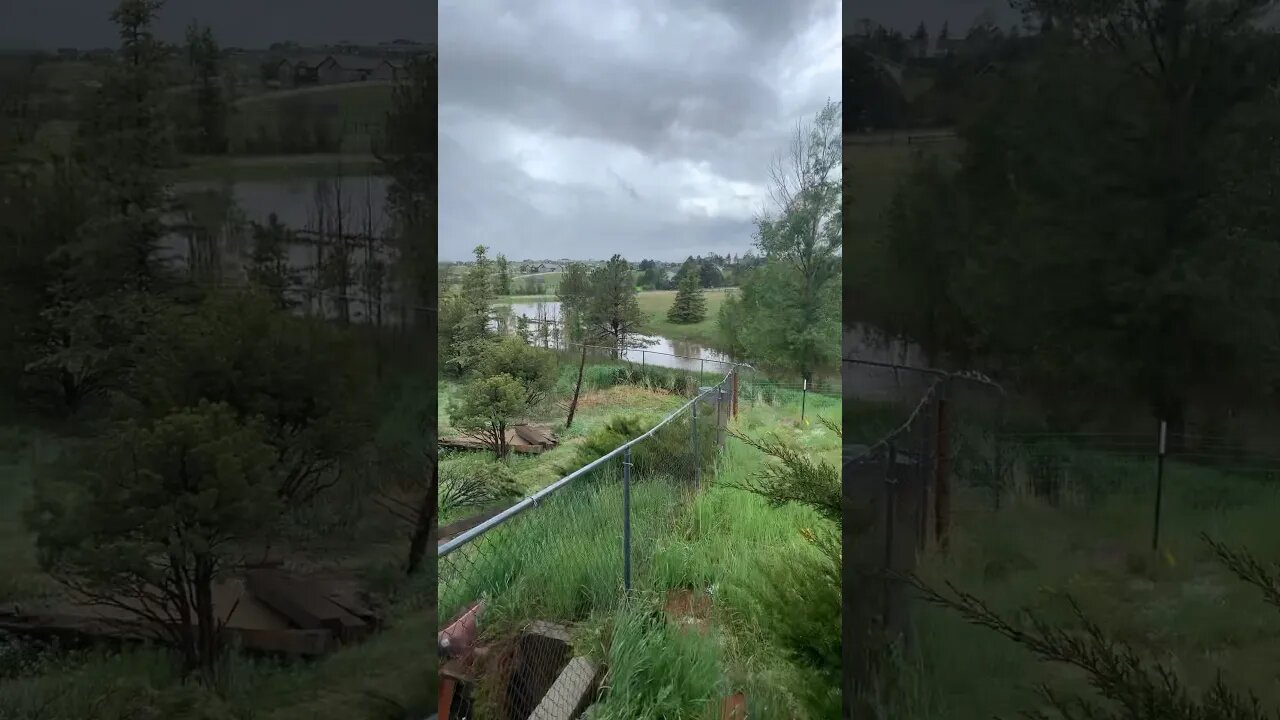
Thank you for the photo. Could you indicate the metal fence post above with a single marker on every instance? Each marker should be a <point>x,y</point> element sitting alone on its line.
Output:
<point>735,393</point>
<point>626,519</point>
<point>697,459</point>
<point>804,391</point>
<point>1155,532</point>
<point>890,483</point>
<point>719,433</point>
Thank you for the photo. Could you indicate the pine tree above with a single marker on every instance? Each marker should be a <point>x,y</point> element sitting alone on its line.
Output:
<point>503,278</point>
<point>690,305</point>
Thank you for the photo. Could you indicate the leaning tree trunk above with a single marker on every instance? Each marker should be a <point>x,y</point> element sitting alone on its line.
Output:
<point>426,522</point>
<point>577,387</point>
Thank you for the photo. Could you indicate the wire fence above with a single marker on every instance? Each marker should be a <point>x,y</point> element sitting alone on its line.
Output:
<point>901,430</point>
<point>515,588</point>
<point>920,440</point>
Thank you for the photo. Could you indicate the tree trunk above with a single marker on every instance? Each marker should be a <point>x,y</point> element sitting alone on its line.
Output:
<point>206,622</point>
<point>71,395</point>
<point>577,387</point>
<point>426,523</point>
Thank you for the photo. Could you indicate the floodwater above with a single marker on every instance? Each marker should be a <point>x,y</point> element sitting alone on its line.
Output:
<point>659,350</point>
<point>223,211</point>
<point>871,382</point>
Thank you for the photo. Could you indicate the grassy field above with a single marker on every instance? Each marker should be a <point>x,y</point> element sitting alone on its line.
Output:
<point>1179,605</point>
<point>873,172</point>
<point>738,566</point>
<point>550,281</point>
<point>656,303</point>
<point>601,400</point>
<point>359,107</point>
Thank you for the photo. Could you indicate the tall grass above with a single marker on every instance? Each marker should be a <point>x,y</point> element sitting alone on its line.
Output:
<point>657,671</point>
<point>560,560</point>
<point>773,615</point>
<point>1177,604</point>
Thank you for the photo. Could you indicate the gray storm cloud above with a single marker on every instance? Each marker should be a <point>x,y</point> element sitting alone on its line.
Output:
<point>580,129</point>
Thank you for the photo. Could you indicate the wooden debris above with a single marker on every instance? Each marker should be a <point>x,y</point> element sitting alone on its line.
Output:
<point>570,693</point>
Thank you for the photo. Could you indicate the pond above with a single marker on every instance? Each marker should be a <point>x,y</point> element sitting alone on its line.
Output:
<point>659,350</point>
<point>869,382</point>
<point>214,239</point>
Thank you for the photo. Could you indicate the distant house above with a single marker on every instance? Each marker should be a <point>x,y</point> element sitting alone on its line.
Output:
<point>303,70</point>
<point>388,70</point>
<point>347,68</point>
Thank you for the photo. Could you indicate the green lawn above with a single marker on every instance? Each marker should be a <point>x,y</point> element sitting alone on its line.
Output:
<point>872,176</point>
<point>360,107</point>
<point>1178,605</point>
<point>656,303</point>
<point>550,281</point>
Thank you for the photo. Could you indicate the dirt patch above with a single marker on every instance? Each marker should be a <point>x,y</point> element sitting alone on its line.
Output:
<point>689,609</point>
<point>629,396</point>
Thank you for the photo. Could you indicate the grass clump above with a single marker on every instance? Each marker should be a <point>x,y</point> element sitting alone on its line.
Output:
<point>657,671</point>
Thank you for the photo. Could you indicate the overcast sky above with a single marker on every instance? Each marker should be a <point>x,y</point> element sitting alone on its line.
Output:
<point>584,128</point>
<point>48,24</point>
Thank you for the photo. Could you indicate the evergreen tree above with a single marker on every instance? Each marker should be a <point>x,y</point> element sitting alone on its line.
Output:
<point>211,108</point>
<point>613,311</point>
<point>269,266</point>
<point>690,305</point>
<point>503,278</point>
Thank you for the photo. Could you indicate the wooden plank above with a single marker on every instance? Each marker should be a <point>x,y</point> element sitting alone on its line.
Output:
<point>570,693</point>
<point>458,527</point>
<point>305,604</point>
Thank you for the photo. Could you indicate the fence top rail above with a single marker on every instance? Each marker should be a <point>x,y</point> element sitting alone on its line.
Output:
<point>903,428</point>
<point>532,500</point>
<point>970,375</point>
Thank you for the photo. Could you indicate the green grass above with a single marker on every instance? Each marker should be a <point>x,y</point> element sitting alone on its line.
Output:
<point>359,105</point>
<point>1178,604</point>
<point>550,280</point>
<point>656,303</point>
<point>601,400</point>
<point>657,671</point>
<point>873,175</point>
<point>373,679</point>
<point>560,562</point>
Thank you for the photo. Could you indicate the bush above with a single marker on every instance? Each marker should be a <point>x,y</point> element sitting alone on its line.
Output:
<point>472,480</point>
<point>667,452</point>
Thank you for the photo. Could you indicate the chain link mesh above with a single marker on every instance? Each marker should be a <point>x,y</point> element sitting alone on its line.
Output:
<point>514,589</point>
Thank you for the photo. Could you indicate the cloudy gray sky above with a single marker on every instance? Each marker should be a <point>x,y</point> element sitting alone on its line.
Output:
<point>48,24</point>
<point>584,128</point>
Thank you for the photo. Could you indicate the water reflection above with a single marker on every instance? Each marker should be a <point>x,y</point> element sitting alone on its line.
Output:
<point>659,350</point>
<point>213,239</point>
<point>878,383</point>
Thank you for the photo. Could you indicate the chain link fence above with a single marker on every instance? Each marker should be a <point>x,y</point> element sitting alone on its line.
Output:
<point>517,589</point>
<point>908,431</point>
